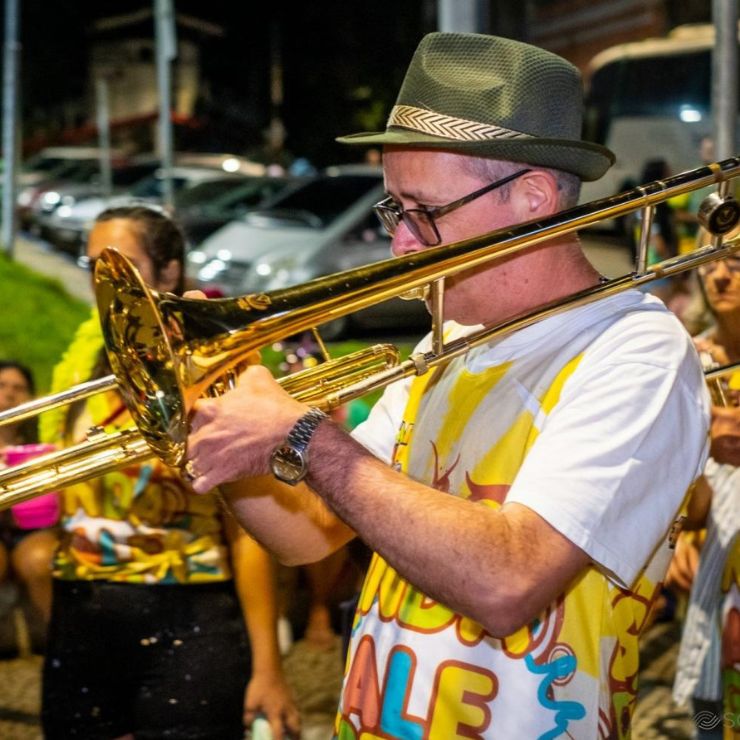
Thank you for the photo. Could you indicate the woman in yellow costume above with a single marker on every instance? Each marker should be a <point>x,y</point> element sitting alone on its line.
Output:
<point>152,584</point>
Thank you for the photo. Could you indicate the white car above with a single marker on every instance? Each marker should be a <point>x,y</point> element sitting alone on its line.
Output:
<point>67,227</point>
<point>319,227</point>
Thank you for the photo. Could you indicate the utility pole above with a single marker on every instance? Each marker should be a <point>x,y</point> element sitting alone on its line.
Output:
<point>11,56</point>
<point>468,16</point>
<point>103,120</point>
<point>724,77</point>
<point>166,43</point>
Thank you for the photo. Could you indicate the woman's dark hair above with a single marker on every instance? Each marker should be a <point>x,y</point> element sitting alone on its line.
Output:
<point>23,370</point>
<point>28,429</point>
<point>160,236</point>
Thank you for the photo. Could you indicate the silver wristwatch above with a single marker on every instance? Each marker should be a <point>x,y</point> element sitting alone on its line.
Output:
<point>289,461</point>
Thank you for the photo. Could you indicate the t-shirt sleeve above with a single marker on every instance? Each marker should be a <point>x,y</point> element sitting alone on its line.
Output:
<point>378,432</point>
<point>616,455</point>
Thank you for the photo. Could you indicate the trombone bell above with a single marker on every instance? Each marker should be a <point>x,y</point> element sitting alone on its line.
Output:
<point>150,376</point>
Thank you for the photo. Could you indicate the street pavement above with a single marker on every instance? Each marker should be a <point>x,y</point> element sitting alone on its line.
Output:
<point>41,257</point>
<point>316,675</point>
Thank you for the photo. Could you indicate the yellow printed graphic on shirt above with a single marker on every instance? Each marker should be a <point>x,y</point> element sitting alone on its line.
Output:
<point>417,669</point>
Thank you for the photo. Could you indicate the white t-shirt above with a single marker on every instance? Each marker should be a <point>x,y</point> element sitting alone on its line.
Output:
<point>597,420</point>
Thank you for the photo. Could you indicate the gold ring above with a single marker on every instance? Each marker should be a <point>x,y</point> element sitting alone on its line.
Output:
<point>190,471</point>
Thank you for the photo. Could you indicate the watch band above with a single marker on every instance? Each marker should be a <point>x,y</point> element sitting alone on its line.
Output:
<point>300,435</point>
<point>289,461</point>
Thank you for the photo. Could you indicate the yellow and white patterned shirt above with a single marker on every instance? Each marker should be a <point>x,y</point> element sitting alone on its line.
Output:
<point>597,420</point>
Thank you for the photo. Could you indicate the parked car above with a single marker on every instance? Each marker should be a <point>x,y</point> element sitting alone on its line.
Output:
<point>208,206</point>
<point>67,227</point>
<point>82,172</point>
<point>68,193</point>
<point>318,227</point>
<point>51,162</point>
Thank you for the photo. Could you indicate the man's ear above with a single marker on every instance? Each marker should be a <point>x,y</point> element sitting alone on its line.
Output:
<point>538,194</point>
<point>169,276</point>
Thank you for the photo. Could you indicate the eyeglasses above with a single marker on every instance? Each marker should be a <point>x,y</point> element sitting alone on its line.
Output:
<point>731,264</point>
<point>421,221</point>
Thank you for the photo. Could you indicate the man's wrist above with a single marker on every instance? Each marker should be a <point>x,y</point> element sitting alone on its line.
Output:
<point>289,460</point>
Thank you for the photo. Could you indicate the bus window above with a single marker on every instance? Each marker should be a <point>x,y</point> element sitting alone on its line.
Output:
<point>649,99</point>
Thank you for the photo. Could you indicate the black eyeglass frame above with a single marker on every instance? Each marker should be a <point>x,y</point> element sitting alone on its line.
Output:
<point>392,213</point>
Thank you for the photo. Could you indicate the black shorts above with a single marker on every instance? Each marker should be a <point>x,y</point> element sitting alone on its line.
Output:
<point>160,661</point>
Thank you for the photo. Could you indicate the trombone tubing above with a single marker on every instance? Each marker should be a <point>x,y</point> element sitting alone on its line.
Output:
<point>434,264</point>
<point>346,292</point>
<point>47,403</point>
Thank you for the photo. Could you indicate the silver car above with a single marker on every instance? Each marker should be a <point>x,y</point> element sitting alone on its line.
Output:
<point>319,227</point>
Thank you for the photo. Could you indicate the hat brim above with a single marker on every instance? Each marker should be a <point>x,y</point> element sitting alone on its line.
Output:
<point>587,160</point>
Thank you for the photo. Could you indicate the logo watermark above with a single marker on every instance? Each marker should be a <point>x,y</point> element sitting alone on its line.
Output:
<point>706,720</point>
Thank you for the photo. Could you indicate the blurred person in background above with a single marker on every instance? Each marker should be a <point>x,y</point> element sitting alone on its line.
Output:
<point>686,206</point>
<point>152,584</point>
<point>332,580</point>
<point>707,558</point>
<point>26,549</point>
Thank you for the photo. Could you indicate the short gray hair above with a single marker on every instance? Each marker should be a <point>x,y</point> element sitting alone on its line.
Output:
<point>569,185</point>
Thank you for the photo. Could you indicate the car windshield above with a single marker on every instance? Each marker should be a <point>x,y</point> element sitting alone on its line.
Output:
<point>320,201</point>
<point>131,174</point>
<point>153,187</point>
<point>43,165</point>
<point>205,192</point>
<point>253,192</point>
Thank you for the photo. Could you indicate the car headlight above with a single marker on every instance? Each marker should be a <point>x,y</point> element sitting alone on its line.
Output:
<point>197,257</point>
<point>212,268</point>
<point>51,198</point>
<point>273,274</point>
<point>25,198</point>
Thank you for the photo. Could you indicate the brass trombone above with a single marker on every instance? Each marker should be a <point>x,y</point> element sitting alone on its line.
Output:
<point>167,351</point>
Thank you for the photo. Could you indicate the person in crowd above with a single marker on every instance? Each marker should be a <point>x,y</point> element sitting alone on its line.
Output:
<point>25,551</point>
<point>164,617</point>
<point>707,559</point>
<point>331,580</point>
<point>686,206</point>
<point>517,499</point>
<point>663,242</point>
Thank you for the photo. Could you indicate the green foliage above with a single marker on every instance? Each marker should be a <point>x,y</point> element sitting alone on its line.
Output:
<point>37,319</point>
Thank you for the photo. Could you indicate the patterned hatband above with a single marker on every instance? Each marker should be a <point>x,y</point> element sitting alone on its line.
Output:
<point>449,127</point>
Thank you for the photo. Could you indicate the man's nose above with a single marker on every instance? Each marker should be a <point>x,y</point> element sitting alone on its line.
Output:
<point>404,242</point>
<point>721,277</point>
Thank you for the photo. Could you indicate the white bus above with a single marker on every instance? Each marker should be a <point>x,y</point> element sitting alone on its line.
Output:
<point>650,100</point>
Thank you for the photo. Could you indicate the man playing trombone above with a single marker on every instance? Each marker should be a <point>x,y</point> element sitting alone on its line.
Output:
<point>519,500</point>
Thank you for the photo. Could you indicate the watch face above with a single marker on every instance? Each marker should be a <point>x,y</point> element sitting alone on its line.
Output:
<point>288,464</point>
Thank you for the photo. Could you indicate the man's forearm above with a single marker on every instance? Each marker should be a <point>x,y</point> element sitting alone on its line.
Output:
<point>291,522</point>
<point>485,564</point>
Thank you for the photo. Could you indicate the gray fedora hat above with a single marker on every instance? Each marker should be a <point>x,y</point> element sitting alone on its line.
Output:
<point>492,97</point>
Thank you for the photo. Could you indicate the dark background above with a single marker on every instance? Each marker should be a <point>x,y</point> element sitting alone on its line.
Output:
<point>342,62</point>
<point>341,66</point>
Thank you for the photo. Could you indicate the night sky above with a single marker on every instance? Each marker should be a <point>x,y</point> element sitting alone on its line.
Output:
<point>343,63</point>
